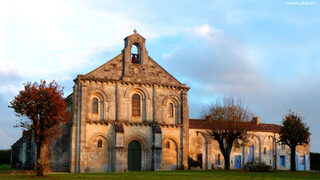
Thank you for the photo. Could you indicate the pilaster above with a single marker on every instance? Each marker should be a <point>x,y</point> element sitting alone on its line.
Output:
<point>119,151</point>
<point>185,128</point>
<point>156,148</point>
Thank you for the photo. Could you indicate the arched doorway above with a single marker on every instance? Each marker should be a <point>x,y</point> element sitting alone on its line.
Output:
<point>134,156</point>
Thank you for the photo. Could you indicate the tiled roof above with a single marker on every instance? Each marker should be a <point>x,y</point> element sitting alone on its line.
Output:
<point>261,127</point>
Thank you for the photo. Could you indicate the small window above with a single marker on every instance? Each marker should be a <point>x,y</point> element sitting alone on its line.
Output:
<point>282,146</point>
<point>171,110</point>
<point>95,105</point>
<point>264,150</point>
<point>100,144</point>
<point>283,161</point>
<point>218,160</point>
<point>136,105</point>
<point>168,145</point>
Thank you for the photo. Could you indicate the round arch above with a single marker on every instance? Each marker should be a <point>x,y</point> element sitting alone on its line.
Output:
<point>102,105</point>
<point>170,154</point>
<point>97,135</point>
<point>98,157</point>
<point>140,90</point>
<point>145,149</point>
<point>257,141</point>
<point>175,119</point>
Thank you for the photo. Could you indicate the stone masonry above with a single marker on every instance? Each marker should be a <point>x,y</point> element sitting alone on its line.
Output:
<point>131,114</point>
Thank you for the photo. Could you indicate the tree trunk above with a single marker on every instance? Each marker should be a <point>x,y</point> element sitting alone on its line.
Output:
<point>293,158</point>
<point>42,165</point>
<point>227,162</point>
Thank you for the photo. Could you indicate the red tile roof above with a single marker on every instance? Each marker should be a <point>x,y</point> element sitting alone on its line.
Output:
<point>261,127</point>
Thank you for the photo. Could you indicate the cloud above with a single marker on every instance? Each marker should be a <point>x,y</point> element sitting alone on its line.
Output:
<point>224,66</point>
<point>257,51</point>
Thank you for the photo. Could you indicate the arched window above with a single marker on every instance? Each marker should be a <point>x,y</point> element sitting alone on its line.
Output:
<point>168,145</point>
<point>171,110</point>
<point>100,143</point>
<point>136,105</point>
<point>95,106</point>
<point>135,54</point>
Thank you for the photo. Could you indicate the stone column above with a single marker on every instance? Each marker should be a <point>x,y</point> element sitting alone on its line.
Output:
<point>156,148</point>
<point>185,128</point>
<point>119,151</point>
<point>76,128</point>
<point>82,133</point>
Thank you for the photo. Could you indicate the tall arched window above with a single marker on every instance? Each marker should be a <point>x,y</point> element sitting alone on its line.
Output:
<point>136,105</point>
<point>171,110</point>
<point>95,106</point>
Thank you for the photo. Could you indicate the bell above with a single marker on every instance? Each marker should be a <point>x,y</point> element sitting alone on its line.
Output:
<point>134,59</point>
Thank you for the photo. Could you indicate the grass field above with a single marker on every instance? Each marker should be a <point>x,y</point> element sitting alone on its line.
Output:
<point>6,173</point>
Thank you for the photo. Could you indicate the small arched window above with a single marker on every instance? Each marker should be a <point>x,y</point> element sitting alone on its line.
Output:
<point>100,143</point>
<point>171,110</point>
<point>136,105</point>
<point>168,145</point>
<point>95,105</point>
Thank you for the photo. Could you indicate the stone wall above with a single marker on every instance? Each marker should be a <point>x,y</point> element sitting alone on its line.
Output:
<point>265,146</point>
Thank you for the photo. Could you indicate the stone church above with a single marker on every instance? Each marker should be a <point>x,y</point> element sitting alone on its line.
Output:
<point>130,114</point>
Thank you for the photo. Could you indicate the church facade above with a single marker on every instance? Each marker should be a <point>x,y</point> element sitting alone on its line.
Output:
<point>131,115</point>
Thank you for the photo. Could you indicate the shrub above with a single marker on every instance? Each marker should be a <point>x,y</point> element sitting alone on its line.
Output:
<point>258,167</point>
<point>5,156</point>
<point>315,161</point>
<point>193,163</point>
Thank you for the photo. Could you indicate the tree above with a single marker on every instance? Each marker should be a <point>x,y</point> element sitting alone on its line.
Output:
<point>42,111</point>
<point>293,132</point>
<point>228,124</point>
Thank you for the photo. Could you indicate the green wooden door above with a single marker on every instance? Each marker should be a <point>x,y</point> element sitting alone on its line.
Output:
<point>134,156</point>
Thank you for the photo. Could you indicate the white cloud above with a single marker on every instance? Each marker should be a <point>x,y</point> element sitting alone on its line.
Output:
<point>207,31</point>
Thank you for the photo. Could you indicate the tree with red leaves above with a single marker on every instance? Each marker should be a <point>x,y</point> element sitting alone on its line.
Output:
<point>42,110</point>
<point>228,124</point>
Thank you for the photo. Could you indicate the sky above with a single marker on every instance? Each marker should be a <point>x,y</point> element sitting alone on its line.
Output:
<point>265,52</point>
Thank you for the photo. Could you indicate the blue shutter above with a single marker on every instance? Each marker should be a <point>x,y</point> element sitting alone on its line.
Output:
<point>306,163</point>
<point>298,161</point>
<point>283,161</point>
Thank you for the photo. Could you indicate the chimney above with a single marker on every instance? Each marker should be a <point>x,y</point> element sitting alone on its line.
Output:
<point>255,120</point>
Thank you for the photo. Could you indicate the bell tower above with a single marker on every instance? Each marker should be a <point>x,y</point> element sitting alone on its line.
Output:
<point>133,59</point>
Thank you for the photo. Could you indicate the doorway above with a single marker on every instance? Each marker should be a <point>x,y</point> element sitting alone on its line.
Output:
<point>134,156</point>
<point>237,162</point>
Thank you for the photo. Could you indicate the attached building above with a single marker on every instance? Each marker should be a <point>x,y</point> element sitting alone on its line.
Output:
<point>131,115</point>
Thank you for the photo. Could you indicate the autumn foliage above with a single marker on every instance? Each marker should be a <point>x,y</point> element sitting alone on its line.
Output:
<point>42,111</point>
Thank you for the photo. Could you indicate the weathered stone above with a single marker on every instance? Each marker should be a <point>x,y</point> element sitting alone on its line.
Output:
<point>98,137</point>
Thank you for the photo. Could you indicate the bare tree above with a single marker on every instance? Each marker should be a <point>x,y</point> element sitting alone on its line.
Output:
<point>228,124</point>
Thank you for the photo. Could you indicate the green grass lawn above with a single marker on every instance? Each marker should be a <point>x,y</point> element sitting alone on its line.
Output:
<point>5,167</point>
<point>197,175</point>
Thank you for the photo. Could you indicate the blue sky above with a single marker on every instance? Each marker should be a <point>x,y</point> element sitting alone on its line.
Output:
<point>265,52</point>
